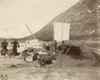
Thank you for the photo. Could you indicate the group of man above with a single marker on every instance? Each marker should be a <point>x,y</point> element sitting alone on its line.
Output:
<point>42,58</point>
<point>4,45</point>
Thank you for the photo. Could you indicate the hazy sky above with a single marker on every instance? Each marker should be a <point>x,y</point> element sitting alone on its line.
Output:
<point>14,14</point>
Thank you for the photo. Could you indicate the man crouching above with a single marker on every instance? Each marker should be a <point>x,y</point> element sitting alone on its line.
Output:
<point>27,52</point>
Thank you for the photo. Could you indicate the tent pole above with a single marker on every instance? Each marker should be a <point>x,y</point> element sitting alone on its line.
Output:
<point>68,50</point>
<point>30,31</point>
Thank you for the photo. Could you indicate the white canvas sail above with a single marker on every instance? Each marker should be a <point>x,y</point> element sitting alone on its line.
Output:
<point>66,31</point>
<point>61,31</point>
<point>57,31</point>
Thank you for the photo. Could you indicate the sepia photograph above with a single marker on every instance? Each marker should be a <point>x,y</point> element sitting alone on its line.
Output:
<point>49,39</point>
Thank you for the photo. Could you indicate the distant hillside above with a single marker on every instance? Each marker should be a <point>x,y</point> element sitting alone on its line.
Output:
<point>84,18</point>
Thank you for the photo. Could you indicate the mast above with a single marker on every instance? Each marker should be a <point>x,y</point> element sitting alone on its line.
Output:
<point>30,31</point>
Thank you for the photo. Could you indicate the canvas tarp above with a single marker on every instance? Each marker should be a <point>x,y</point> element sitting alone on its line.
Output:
<point>79,47</point>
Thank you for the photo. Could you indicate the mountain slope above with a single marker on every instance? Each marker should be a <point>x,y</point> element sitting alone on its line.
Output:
<point>84,18</point>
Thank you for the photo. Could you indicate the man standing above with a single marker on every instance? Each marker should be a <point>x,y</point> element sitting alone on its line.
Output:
<point>15,44</point>
<point>55,45</point>
<point>4,45</point>
<point>63,47</point>
<point>47,46</point>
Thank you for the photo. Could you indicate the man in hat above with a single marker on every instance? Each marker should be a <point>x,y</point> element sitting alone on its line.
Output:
<point>4,45</point>
<point>15,44</point>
